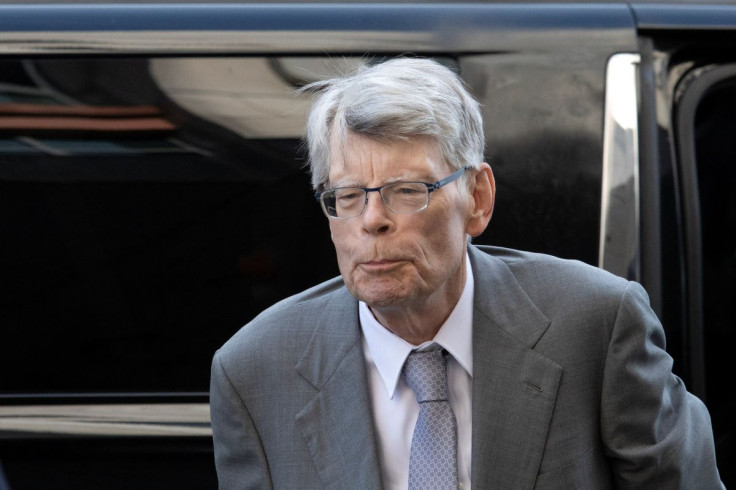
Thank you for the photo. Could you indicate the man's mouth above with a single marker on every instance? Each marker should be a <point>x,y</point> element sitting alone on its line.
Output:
<point>380,265</point>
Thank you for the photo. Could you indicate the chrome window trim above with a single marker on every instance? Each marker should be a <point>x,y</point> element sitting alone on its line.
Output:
<point>620,198</point>
<point>110,420</point>
<point>210,42</point>
<point>149,28</point>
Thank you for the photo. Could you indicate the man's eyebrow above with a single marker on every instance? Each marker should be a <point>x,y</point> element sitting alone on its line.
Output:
<point>342,183</point>
<point>408,178</point>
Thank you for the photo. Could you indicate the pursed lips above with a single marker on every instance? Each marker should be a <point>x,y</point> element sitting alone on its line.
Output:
<point>380,265</point>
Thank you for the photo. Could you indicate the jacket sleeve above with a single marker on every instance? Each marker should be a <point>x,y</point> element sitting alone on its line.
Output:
<point>239,456</point>
<point>656,434</point>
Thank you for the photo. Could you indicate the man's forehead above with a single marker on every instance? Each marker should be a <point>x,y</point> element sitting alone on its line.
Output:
<point>362,157</point>
<point>359,171</point>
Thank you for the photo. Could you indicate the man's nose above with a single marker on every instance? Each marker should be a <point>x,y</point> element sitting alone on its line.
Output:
<point>376,217</point>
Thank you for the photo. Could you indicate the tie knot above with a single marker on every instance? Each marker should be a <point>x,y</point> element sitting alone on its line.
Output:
<point>426,375</point>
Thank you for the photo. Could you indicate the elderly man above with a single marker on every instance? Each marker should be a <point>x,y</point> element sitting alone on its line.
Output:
<point>432,363</point>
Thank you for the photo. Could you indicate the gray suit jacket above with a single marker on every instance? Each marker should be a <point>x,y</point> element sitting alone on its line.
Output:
<point>572,388</point>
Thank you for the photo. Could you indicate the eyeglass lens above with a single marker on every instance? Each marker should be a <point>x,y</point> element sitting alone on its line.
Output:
<point>401,197</point>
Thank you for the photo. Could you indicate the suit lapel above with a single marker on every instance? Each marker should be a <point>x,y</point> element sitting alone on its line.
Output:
<point>337,423</point>
<point>514,387</point>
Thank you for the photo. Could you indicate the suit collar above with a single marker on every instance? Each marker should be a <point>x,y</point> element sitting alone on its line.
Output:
<point>337,423</point>
<point>501,299</point>
<point>334,337</point>
<point>514,387</point>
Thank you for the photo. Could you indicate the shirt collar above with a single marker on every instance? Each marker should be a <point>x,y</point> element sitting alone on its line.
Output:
<point>389,351</point>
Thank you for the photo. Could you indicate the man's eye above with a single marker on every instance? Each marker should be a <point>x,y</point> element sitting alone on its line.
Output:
<point>349,196</point>
<point>406,190</point>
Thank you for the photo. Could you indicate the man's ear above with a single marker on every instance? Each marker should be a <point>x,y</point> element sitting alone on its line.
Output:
<point>483,190</point>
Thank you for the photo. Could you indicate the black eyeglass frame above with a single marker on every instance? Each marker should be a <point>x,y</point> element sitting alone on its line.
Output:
<point>430,188</point>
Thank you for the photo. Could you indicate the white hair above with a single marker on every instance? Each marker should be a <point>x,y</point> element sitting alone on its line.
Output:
<point>394,101</point>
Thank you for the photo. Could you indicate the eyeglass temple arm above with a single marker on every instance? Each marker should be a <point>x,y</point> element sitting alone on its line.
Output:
<point>450,178</point>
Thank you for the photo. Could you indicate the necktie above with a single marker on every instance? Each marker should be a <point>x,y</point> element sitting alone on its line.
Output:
<point>433,456</point>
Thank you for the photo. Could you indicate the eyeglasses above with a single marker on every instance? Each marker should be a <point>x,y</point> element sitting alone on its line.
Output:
<point>399,197</point>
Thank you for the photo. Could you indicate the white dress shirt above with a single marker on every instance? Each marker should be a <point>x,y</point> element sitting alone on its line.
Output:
<point>395,408</point>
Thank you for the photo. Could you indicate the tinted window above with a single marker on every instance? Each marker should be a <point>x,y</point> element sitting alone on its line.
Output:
<point>151,207</point>
<point>716,153</point>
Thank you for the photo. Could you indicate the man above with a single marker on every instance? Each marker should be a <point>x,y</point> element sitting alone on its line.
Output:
<point>556,374</point>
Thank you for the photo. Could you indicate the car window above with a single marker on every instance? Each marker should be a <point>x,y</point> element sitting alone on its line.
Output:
<point>144,204</point>
<point>154,205</point>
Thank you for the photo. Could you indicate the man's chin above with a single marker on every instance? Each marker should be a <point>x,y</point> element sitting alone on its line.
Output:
<point>379,298</point>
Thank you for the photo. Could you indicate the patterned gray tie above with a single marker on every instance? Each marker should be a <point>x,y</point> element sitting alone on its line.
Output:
<point>433,457</point>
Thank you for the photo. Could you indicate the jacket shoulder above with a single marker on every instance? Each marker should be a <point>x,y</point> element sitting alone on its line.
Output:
<point>535,270</point>
<point>563,288</point>
<point>291,321</point>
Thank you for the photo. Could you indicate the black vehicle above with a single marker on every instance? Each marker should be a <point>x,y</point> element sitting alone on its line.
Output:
<point>153,197</point>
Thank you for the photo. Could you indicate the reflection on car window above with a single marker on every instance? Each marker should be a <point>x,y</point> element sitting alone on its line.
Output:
<point>140,215</point>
